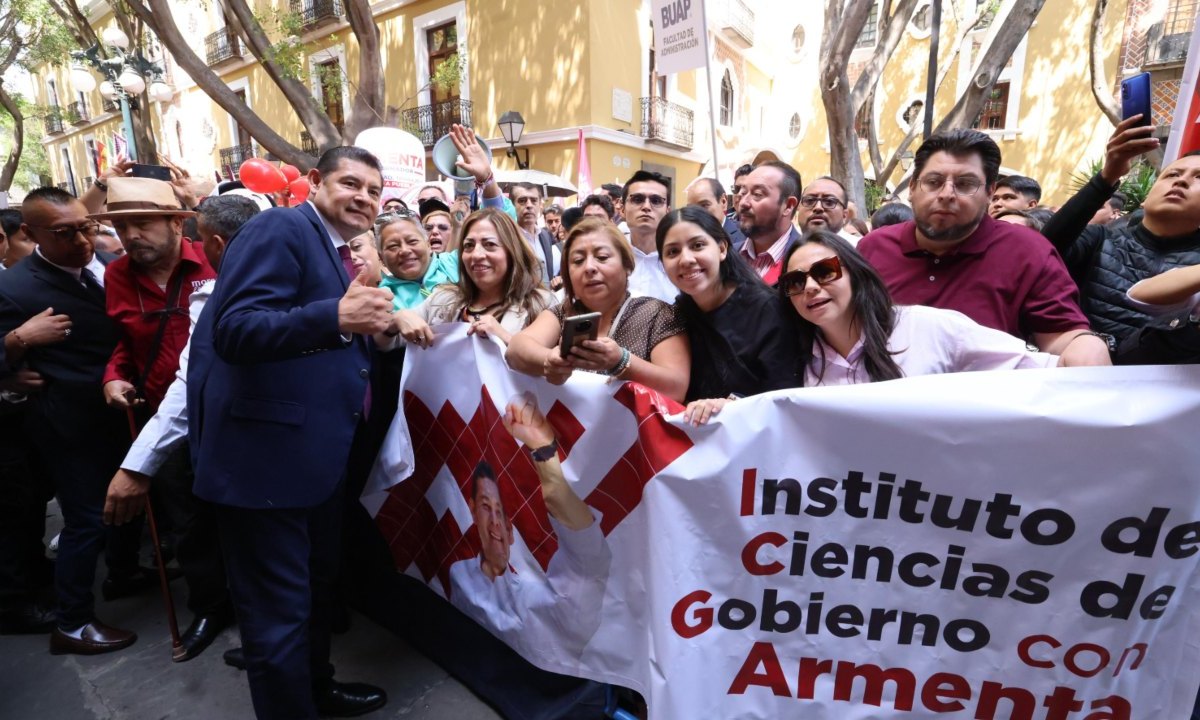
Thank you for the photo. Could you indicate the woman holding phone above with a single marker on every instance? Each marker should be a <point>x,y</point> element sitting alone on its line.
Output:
<point>640,339</point>
<point>742,342</point>
<point>415,270</point>
<point>499,289</point>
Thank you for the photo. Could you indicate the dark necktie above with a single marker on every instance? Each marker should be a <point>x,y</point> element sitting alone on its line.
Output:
<point>347,261</point>
<point>89,280</point>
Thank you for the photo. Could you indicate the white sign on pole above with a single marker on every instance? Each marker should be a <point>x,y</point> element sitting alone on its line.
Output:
<point>678,35</point>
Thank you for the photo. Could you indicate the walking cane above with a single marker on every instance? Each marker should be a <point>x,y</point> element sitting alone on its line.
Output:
<point>177,650</point>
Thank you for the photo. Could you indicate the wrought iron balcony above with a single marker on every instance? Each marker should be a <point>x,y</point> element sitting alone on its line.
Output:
<point>54,121</point>
<point>77,113</point>
<point>110,105</point>
<point>314,13</point>
<point>222,45</point>
<point>431,122</point>
<point>232,159</point>
<point>307,144</point>
<point>736,21</point>
<point>667,123</point>
<point>69,186</point>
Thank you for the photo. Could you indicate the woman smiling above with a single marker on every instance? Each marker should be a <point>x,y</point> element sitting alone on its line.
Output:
<point>741,340</point>
<point>498,291</point>
<point>640,339</point>
<point>409,258</point>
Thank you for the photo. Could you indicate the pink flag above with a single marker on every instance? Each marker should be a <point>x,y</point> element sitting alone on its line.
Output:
<point>585,169</point>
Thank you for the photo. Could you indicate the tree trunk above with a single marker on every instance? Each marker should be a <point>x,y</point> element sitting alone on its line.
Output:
<point>1100,86</point>
<point>9,170</point>
<point>369,104</point>
<point>157,16</point>
<point>1015,25</point>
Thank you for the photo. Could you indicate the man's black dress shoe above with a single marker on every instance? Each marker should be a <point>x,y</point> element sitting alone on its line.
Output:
<point>235,658</point>
<point>90,639</point>
<point>200,634</point>
<point>335,699</point>
<point>27,619</point>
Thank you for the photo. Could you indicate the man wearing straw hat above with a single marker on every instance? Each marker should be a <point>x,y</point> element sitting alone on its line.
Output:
<point>149,290</point>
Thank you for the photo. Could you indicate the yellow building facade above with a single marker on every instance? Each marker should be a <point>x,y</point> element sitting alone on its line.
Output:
<point>572,65</point>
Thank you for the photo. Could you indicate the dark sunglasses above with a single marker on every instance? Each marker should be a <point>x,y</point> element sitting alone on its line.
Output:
<point>823,271</point>
<point>654,200</point>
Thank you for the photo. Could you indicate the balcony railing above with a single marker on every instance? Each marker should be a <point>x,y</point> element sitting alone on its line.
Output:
<point>232,159</point>
<point>667,122</point>
<point>307,144</point>
<point>314,13</point>
<point>110,105</point>
<point>54,121</point>
<point>736,21</point>
<point>77,113</point>
<point>69,186</point>
<point>431,122</point>
<point>222,45</point>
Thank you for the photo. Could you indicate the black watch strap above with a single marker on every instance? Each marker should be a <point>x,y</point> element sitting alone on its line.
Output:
<point>543,454</point>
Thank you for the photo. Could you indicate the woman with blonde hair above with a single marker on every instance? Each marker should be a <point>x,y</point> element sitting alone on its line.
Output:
<point>499,289</point>
<point>441,230</point>
<point>640,339</point>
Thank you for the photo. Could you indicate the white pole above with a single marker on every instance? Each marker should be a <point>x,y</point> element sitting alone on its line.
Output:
<point>712,115</point>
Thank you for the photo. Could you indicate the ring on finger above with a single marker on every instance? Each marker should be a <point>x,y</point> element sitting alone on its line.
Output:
<point>67,332</point>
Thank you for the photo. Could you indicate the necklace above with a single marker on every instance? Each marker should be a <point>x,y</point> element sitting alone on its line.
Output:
<point>476,313</point>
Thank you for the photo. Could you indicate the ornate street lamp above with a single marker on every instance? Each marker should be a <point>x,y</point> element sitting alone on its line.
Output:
<point>125,76</point>
<point>512,126</point>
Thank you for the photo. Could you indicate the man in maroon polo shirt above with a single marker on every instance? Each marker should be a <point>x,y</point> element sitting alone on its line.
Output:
<point>953,255</point>
<point>148,292</point>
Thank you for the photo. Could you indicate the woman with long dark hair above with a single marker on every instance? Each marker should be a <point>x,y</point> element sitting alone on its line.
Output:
<point>741,339</point>
<point>850,332</point>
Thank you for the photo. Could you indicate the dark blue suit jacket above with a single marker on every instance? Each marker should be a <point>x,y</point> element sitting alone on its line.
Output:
<point>274,392</point>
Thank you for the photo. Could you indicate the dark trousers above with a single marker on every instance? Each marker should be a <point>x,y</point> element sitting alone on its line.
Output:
<point>198,547</point>
<point>24,491</point>
<point>80,469</point>
<point>282,564</point>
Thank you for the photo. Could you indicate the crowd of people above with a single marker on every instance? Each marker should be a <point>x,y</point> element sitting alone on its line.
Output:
<point>242,360</point>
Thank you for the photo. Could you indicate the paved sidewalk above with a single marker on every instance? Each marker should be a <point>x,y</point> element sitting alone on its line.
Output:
<point>141,682</point>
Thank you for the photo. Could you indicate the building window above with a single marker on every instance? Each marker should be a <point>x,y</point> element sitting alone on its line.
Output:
<point>862,121</point>
<point>794,126</point>
<point>329,79</point>
<point>914,112</point>
<point>798,39</point>
<point>923,18</point>
<point>995,110</point>
<point>243,135</point>
<point>726,99</point>
<point>870,32</point>
<point>442,42</point>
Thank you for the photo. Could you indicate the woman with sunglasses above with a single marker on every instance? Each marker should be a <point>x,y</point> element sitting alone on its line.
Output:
<point>852,333</point>
<point>442,231</point>
<point>741,340</point>
<point>499,289</point>
<point>414,269</point>
<point>640,339</point>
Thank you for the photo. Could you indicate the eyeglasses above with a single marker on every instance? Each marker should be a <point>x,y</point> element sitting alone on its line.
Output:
<point>963,186</point>
<point>654,200</point>
<point>827,201</point>
<point>437,226</point>
<point>66,234</point>
<point>823,271</point>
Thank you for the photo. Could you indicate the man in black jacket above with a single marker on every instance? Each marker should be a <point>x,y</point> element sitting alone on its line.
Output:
<point>78,438</point>
<point>1106,260</point>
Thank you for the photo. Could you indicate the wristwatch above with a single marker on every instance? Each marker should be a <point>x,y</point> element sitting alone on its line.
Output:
<point>100,184</point>
<point>1109,340</point>
<point>543,454</point>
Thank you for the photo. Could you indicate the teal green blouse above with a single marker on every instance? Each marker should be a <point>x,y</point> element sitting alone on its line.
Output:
<point>443,268</point>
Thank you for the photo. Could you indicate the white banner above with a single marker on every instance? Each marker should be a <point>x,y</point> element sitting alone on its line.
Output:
<point>984,545</point>
<point>678,35</point>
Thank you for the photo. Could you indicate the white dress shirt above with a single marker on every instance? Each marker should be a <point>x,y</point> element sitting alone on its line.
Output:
<point>649,278</point>
<point>94,265</point>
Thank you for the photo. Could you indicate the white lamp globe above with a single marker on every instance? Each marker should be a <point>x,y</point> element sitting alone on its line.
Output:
<point>115,37</point>
<point>107,90</point>
<point>133,83</point>
<point>160,92</point>
<point>82,80</point>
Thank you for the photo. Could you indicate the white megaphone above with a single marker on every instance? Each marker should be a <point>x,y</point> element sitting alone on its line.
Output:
<point>445,155</point>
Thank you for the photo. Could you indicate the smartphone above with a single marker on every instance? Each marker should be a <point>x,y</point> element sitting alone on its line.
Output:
<point>157,172</point>
<point>1135,98</point>
<point>577,329</point>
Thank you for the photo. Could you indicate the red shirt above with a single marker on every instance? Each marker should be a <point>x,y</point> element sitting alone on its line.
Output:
<point>133,302</point>
<point>1004,276</point>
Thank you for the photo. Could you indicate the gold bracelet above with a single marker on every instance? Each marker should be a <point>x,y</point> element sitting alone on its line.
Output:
<point>20,339</point>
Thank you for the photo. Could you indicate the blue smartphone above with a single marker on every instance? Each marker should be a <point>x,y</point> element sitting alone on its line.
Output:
<point>1135,98</point>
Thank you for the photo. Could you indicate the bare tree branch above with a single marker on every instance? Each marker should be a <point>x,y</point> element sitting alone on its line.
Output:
<point>889,38</point>
<point>1100,86</point>
<point>9,171</point>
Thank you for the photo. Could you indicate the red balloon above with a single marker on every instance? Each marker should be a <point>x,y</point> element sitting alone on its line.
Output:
<point>260,176</point>
<point>291,172</point>
<point>299,189</point>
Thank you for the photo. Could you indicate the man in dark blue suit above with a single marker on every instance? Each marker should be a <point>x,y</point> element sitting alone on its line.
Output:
<point>78,439</point>
<point>277,379</point>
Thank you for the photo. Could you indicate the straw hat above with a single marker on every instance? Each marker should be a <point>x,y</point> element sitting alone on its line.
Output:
<point>128,196</point>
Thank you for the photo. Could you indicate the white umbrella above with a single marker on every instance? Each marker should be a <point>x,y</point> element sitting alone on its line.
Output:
<point>554,185</point>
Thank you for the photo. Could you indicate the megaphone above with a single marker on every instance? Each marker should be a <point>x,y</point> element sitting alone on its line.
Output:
<point>444,157</point>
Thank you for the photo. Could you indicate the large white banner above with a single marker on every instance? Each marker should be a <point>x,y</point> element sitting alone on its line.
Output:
<point>984,545</point>
<point>678,35</point>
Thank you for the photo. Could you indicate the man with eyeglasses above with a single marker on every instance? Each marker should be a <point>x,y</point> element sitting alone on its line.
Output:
<point>823,207</point>
<point>954,255</point>
<point>771,194</point>
<point>75,435</point>
<point>646,198</point>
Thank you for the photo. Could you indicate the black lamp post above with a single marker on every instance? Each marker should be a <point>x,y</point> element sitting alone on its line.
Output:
<point>512,126</point>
